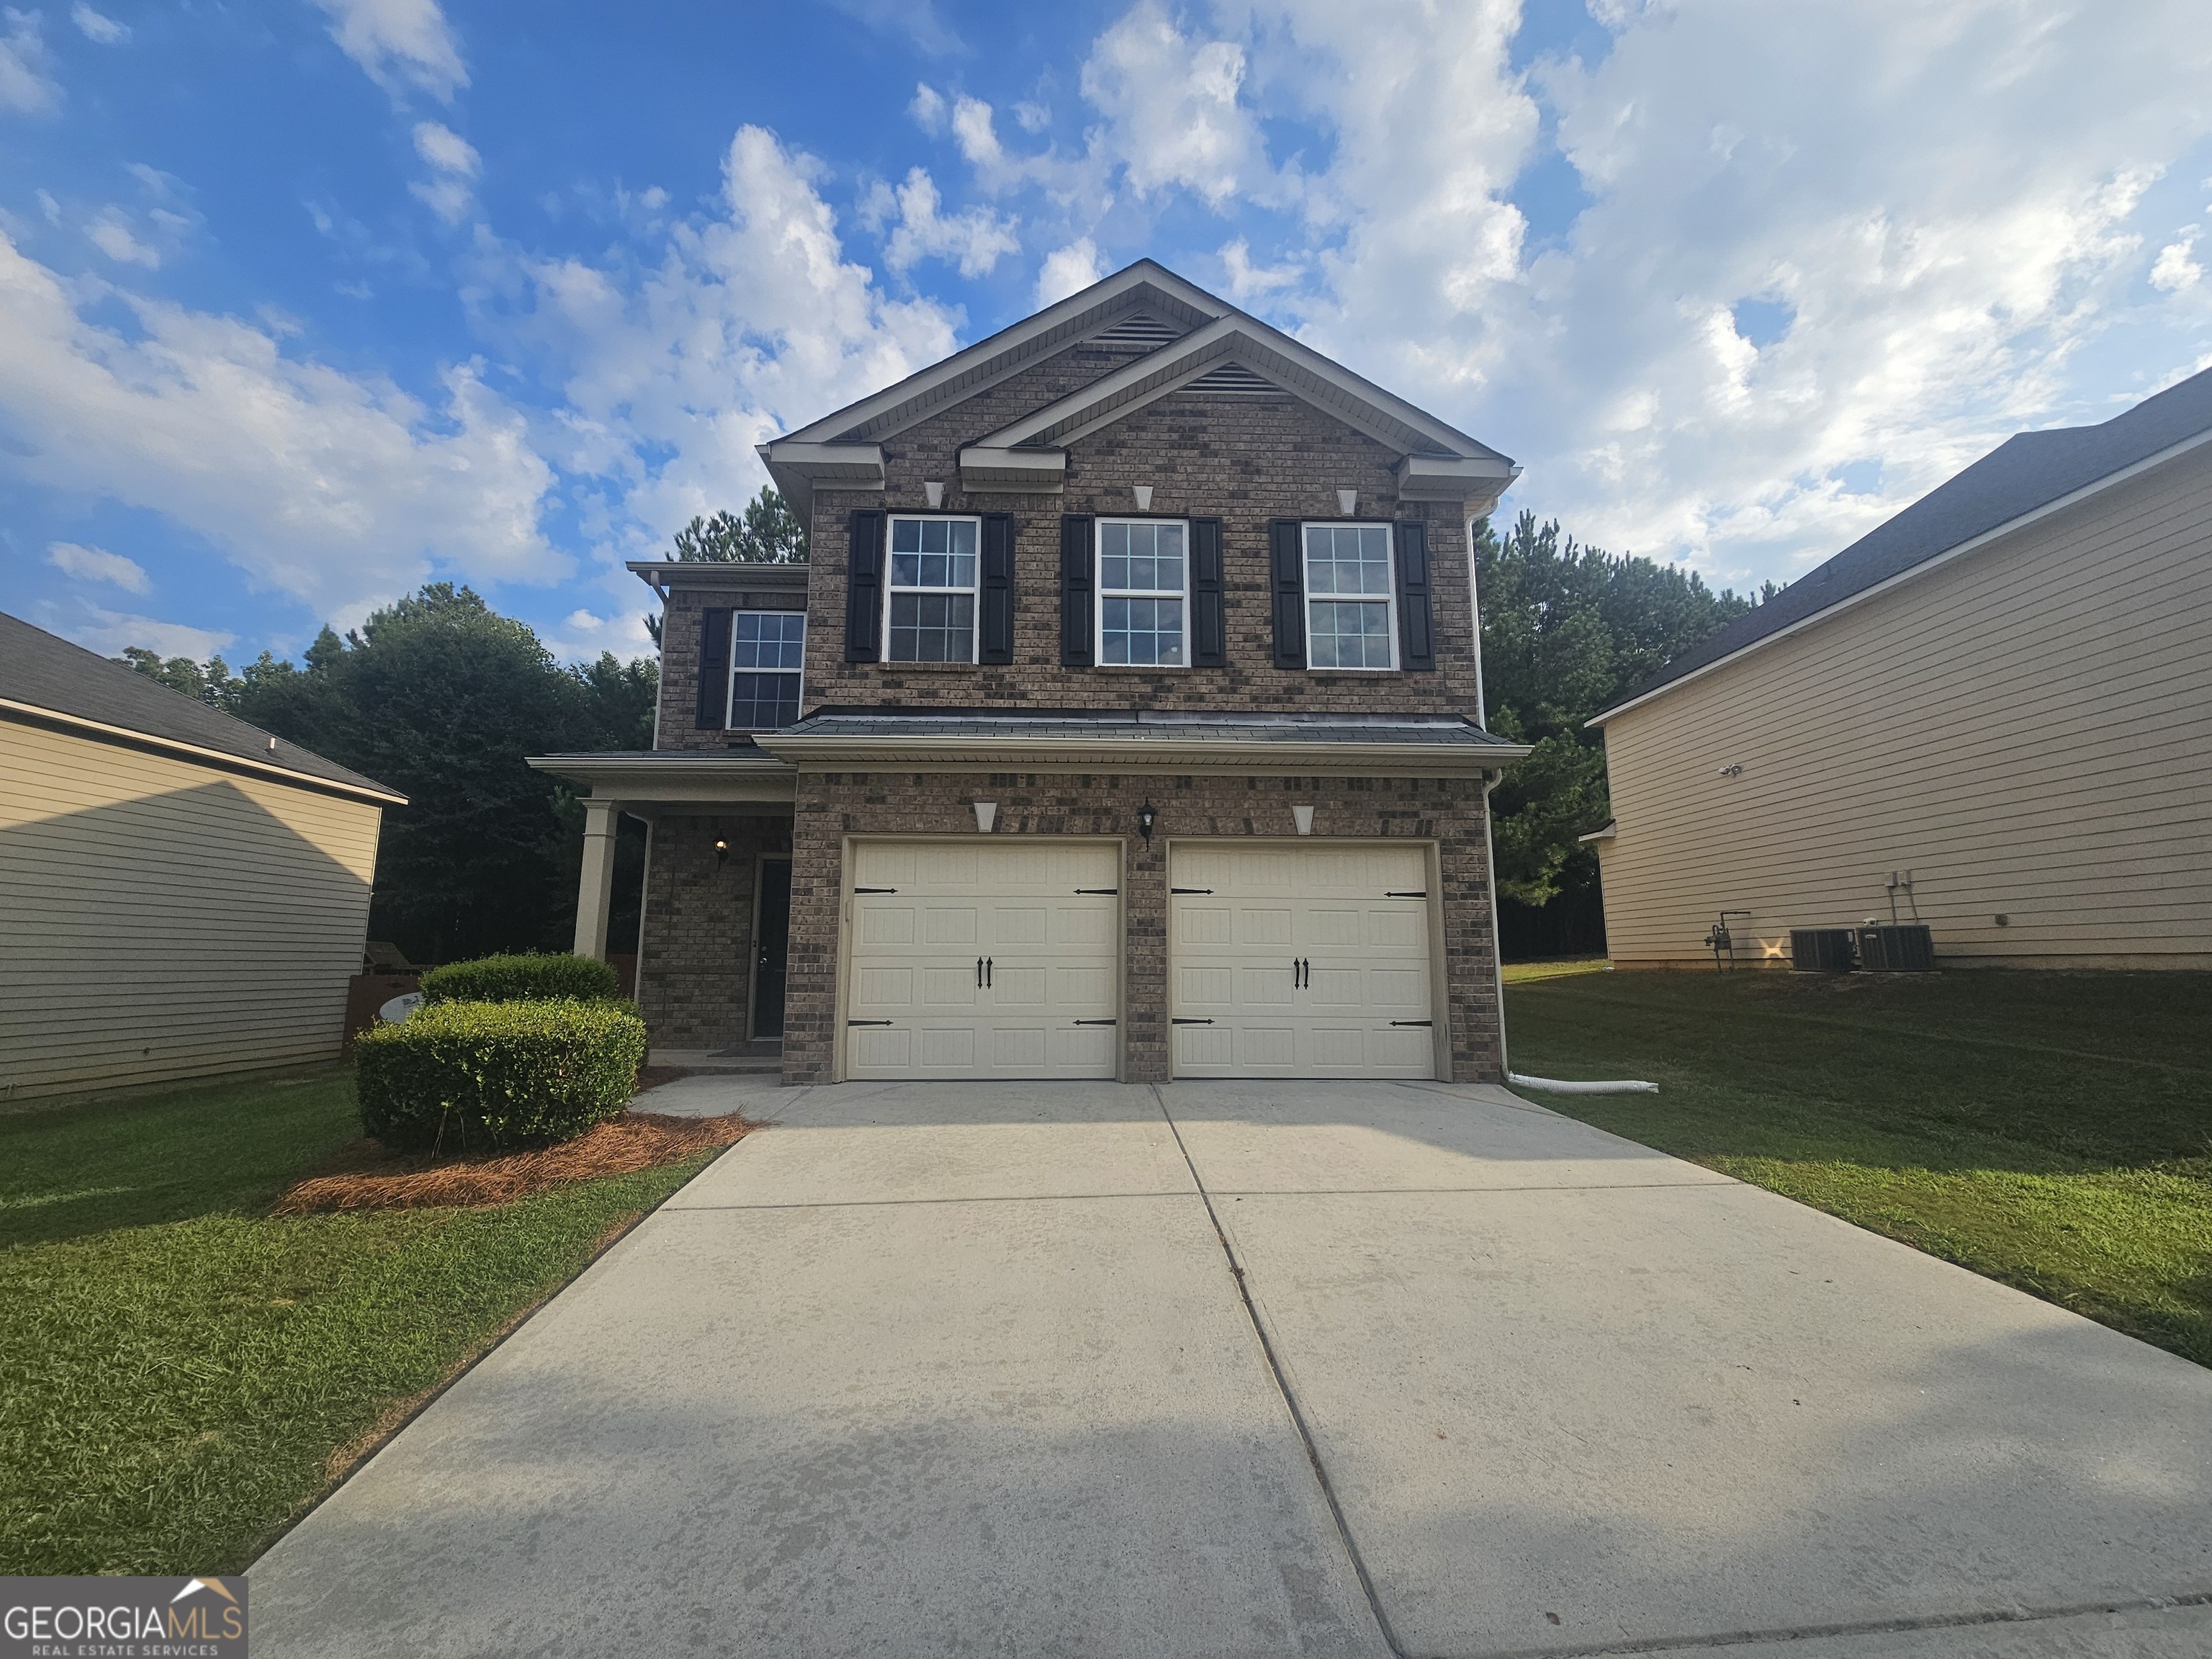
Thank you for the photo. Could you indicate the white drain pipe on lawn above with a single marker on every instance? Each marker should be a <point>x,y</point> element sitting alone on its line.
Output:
<point>1622,1087</point>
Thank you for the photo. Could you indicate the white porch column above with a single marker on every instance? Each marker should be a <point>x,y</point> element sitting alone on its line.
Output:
<point>595,891</point>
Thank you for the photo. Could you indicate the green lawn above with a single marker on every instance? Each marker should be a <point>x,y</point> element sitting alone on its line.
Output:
<point>179,1371</point>
<point>2053,1131</point>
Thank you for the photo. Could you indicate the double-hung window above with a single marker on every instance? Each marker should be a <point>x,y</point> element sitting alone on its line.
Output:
<point>932,592</point>
<point>1143,579</point>
<point>1351,610</point>
<point>767,650</point>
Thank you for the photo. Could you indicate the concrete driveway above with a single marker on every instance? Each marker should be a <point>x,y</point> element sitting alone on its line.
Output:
<point>1264,1369</point>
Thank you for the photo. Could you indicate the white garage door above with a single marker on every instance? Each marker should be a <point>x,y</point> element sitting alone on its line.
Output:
<point>983,958</point>
<point>1297,963</point>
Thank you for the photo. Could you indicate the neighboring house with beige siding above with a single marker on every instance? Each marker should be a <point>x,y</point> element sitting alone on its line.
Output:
<point>2004,695</point>
<point>182,894</point>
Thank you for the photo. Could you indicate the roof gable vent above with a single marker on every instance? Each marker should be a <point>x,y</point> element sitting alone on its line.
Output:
<point>1136,331</point>
<point>1235,380</point>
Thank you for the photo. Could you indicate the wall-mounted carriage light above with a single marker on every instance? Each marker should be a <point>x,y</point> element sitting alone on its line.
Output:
<point>721,853</point>
<point>987,814</point>
<point>1145,818</point>
<point>935,492</point>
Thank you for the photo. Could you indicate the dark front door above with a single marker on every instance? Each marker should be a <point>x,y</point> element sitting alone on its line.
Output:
<point>771,944</point>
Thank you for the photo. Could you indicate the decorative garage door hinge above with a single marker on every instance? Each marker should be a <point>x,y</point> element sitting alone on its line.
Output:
<point>1098,889</point>
<point>875,889</point>
<point>1190,1022</point>
<point>1413,1022</point>
<point>1097,1021</point>
<point>1421,895</point>
<point>1190,889</point>
<point>870,1022</point>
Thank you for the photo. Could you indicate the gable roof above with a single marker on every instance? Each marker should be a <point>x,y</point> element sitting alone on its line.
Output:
<point>2029,474</point>
<point>42,675</point>
<point>1185,336</point>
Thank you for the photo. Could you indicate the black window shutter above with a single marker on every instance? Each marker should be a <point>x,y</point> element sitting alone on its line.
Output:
<point>864,589</point>
<point>1417,645</point>
<point>1077,589</point>
<point>714,670</point>
<point>996,643</point>
<point>1208,627</point>
<point>1289,585</point>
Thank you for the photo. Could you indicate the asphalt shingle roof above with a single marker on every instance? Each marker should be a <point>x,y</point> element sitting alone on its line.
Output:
<point>39,669</point>
<point>2027,471</point>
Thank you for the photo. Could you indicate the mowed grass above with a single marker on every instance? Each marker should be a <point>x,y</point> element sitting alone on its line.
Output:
<point>2053,1130</point>
<point>181,1374</point>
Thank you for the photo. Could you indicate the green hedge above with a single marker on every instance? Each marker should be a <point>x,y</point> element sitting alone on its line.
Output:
<point>522,979</point>
<point>472,1076</point>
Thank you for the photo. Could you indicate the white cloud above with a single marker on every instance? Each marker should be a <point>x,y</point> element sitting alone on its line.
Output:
<point>339,490</point>
<point>97,564</point>
<point>1068,271</point>
<point>2173,269</point>
<point>110,233</point>
<point>1248,282</point>
<point>99,30</point>
<point>109,631</point>
<point>916,19</point>
<point>402,45</point>
<point>928,108</point>
<point>1171,107</point>
<point>752,323</point>
<point>975,240</point>
<point>456,162</point>
<point>26,86</point>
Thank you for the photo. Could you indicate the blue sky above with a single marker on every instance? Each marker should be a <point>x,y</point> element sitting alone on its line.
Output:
<point>307,302</point>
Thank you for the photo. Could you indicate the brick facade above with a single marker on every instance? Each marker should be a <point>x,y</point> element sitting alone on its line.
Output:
<point>695,975</point>
<point>832,806</point>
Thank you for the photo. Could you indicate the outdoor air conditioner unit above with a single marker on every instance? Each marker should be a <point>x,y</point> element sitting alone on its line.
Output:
<point>1906,949</point>
<point>1821,950</point>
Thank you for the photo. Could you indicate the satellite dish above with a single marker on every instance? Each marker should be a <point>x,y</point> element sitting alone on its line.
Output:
<point>395,1011</point>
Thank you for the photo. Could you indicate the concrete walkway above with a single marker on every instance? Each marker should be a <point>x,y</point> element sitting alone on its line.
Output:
<point>1244,1369</point>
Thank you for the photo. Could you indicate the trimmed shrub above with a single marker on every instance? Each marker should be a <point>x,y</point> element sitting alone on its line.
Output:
<point>522,979</point>
<point>476,1076</point>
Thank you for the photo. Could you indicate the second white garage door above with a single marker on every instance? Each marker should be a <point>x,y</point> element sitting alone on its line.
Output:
<point>983,960</point>
<point>1291,961</point>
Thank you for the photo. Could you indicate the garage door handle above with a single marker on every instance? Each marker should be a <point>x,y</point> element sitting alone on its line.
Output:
<point>870,1022</point>
<point>1190,889</point>
<point>1098,889</point>
<point>875,889</point>
<point>1419,895</point>
<point>1413,1022</point>
<point>1097,1021</point>
<point>1190,1022</point>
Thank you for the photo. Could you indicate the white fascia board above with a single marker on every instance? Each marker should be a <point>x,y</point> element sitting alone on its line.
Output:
<point>1142,754</point>
<point>660,574</point>
<point>1972,544</point>
<point>125,737</point>
<point>671,775</point>
<point>1040,471</point>
<point>1606,834</point>
<point>838,466</point>
<point>993,359</point>
<point>1469,478</point>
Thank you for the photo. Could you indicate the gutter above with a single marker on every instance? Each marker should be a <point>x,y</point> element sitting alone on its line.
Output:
<point>1029,752</point>
<point>1972,544</point>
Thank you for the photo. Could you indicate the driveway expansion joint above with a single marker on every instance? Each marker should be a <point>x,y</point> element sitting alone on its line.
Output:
<point>1283,1389</point>
<point>1720,1642</point>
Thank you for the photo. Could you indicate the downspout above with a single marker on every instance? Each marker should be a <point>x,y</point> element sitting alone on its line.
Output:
<point>1624,1086</point>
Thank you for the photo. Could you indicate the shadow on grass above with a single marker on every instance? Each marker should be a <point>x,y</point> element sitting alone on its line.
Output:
<point>173,1154</point>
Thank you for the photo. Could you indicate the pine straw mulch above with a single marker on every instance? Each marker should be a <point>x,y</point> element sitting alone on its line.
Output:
<point>365,1174</point>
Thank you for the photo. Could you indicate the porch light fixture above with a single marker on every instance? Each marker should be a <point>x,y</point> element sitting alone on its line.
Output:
<point>987,814</point>
<point>1144,494</point>
<point>1347,501</point>
<point>1145,818</point>
<point>1302,816</point>
<point>935,492</point>
<point>721,853</point>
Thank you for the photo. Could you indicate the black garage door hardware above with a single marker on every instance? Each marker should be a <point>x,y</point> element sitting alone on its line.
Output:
<point>875,889</point>
<point>1190,889</point>
<point>1190,1022</point>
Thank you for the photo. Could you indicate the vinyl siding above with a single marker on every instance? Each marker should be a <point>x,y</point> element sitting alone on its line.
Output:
<point>165,920</point>
<point>2027,730</point>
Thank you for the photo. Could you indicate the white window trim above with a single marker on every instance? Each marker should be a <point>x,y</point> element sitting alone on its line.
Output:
<point>1306,598</point>
<point>975,590</point>
<point>1098,594</point>
<point>730,691</point>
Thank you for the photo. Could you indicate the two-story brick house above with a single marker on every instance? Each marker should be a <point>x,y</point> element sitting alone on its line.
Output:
<point>1118,728</point>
